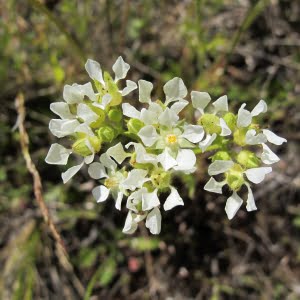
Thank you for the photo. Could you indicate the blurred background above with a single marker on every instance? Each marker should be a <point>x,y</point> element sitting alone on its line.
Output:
<point>246,49</point>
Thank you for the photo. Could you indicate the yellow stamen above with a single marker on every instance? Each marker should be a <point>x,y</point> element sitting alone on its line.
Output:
<point>110,182</point>
<point>171,139</point>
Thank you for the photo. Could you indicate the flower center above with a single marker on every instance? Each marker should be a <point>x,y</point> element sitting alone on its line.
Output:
<point>171,139</point>
<point>111,182</point>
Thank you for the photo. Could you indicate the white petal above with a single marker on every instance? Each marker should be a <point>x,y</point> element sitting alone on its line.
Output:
<point>178,106</point>
<point>173,200</point>
<point>219,166</point>
<point>207,142</point>
<point>145,88</point>
<point>166,160</point>
<point>87,90</point>
<point>261,107</point>
<point>57,155</point>
<point>117,153</point>
<point>150,200</point>
<point>86,114</point>
<point>62,110</point>
<point>72,94</point>
<point>175,89</point>
<point>108,162</point>
<point>100,193</point>
<point>244,117</point>
<point>148,135</point>
<point>168,118</point>
<point>200,100</point>
<point>225,129</point>
<point>186,160</point>
<point>119,200</point>
<point>130,111</point>
<point>130,225</point>
<point>135,179</point>
<point>106,99</point>
<point>221,104</point>
<point>193,133</point>
<point>84,128</point>
<point>214,186</point>
<point>273,138</point>
<point>141,155</point>
<point>62,128</point>
<point>252,139</point>
<point>268,156</point>
<point>250,200</point>
<point>97,170</point>
<point>130,86</point>
<point>153,221</point>
<point>233,204</point>
<point>257,175</point>
<point>88,159</point>
<point>66,176</point>
<point>120,68</point>
<point>94,70</point>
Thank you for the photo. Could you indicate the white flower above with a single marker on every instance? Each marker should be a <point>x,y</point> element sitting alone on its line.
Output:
<point>59,155</point>
<point>120,69</point>
<point>200,101</point>
<point>148,202</point>
<point>113,183</point>
<point>255,175</point>
<point>245,117</point>
<point>268,156</point>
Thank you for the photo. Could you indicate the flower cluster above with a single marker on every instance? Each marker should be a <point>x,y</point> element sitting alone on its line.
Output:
<point>135,154</point>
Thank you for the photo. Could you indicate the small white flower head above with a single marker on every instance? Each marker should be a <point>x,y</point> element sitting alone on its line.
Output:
<point>235,177</point>
<point>113,180</point>
<point>143,204</point>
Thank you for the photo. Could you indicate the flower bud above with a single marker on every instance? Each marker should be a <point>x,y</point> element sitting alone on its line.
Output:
<point>235,177</point>
<point>115,115</point>
<point>134,126</point>
<point>248,159</point>
<point>210,123</point>
<point>230,120</point>
<point>106,133</point>
<point>113,90</point>
<point>81,145</point>
<point>221,155</point>
<point>239,136</point>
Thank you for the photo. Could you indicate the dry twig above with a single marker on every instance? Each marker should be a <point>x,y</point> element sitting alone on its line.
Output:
<point>38,192</point>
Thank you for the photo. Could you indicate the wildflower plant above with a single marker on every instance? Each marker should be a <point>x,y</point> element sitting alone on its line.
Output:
<point>135,154</point>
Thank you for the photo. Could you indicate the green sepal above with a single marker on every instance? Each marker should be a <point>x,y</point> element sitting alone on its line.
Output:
<point>113,90</point>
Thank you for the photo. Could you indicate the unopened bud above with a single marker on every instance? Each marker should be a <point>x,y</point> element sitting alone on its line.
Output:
<point>239,136</point>
<point>248,159</point>
<point>230,120</point>
<point>235,177</point>
<point>134,126</point>
<point>210,123</point>
<point>221,155</point>
<point>106,133</point>
<point>115,115</point>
